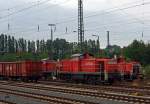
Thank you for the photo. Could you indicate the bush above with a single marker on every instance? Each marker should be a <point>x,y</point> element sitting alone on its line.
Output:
<point>146,70</point>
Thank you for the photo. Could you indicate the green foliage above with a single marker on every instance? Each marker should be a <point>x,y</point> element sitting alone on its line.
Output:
<point>12,49</point>
<point>146,70</point>
<point>111,51</point>
<point>8,57</point>
<point>22,56</point>
<point>138,51</point>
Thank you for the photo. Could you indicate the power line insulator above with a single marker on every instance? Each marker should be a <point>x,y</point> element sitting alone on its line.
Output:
<point>38,28</point>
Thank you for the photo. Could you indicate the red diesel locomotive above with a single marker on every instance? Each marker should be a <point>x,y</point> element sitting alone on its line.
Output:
<point>86,68</point>
<point>49,69</point>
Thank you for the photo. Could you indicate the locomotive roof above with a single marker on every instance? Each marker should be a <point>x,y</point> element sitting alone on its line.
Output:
<point>79,55</point>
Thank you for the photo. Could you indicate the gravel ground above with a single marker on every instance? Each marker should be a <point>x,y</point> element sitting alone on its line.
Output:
<point>2,103</point>
<point>21,100</point>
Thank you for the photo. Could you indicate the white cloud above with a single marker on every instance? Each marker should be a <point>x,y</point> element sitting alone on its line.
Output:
<point>124,24</point>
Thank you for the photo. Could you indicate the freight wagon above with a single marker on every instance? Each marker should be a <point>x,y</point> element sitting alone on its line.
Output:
<point>21,70</point>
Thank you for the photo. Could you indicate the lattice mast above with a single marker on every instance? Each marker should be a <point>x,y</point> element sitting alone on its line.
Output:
<point>80,25</point>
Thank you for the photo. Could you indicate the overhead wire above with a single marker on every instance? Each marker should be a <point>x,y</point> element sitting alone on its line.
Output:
<point>24,9</point>
<point>48,7</point>
<point>74,18</point>
<point>16,6</point>
<point>136,18</point>
<point>125,8</point>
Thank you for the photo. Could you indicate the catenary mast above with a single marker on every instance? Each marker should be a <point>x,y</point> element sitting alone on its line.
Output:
<point>80,25</point>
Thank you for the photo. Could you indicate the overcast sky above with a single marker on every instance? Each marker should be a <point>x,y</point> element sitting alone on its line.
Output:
<point>125,19</point>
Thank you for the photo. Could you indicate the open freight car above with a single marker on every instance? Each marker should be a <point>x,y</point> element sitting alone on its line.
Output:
<point>21,70</point>
<point>86,68</point>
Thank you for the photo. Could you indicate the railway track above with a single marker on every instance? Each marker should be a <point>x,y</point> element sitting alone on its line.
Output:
<point>94,93</point>
<point>120,89</point>
<point>49,99</point>
<point>126,85</point>
<point>5,102</point>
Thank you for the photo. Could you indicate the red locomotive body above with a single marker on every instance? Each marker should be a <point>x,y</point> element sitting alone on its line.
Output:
<point>89,65</point>
<point>66,66</point>
<point>24,70</point>
<point>133,70</point>
<point>79,64</point>
<point>49,68</point>
<point>129,70</point>
<point>109,69</point>
<point>86,68</point>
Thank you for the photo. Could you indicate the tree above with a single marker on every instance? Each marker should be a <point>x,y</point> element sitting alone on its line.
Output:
<point>2,43</point>
<point>136,51</point>
<point>5,44</point>
<point>33,50</point>
<point>43,47</point>
<point>113,50</point>
<point>16,46</point>
<point>13,45</point>
<point>9,44</point>
<point>38,46</point>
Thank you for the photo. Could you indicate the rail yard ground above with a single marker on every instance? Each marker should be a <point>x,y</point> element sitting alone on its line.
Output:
<point>49,92</point>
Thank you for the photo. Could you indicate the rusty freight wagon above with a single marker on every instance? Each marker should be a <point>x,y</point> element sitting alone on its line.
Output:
<point>21,70</point>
